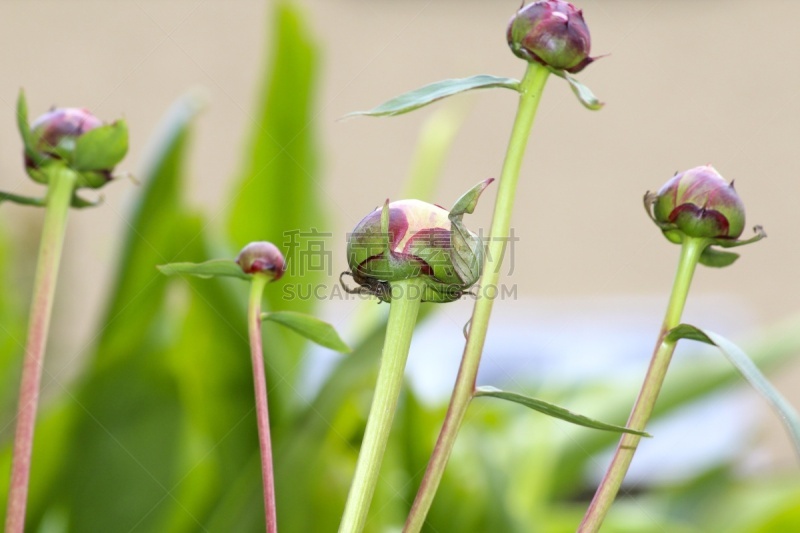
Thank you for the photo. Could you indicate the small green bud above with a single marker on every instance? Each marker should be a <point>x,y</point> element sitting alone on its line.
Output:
<point>699,203</point>
<point>553,33</point>
<point>261,257</point>
<point>411,238</point>
<point>74,138</point>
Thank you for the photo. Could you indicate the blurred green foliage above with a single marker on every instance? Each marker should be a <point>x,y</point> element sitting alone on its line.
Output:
<point>159,433</point>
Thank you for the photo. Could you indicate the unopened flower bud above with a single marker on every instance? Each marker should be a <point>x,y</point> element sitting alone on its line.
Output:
<point>72,138</point>
<point>261,257</point>
<point>551,32</point>
<point>418,240</point>
<point>700,203</point>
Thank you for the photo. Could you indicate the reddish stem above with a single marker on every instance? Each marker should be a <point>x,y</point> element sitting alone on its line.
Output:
<point>262,412</point>
<point>59,194</point>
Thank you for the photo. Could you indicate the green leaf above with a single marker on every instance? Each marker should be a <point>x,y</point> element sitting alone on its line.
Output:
<point>22,200</point>
<point>139,290</point>
<point>310,327</point>
<point>555,411</point>
<point>748,370</point>
<point>208,269</point>
<point>690,382</point>
<point>435,91</point>
<point>584,94</point>
<point>280,190</point>
<point>101,148</point>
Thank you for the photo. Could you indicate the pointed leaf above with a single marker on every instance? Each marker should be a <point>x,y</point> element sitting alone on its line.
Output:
<point>139,290</point>
<point>101,148</point>
<point>584,94</point>
<point>468,201</point>
<point>310,327</point>
<point>208,269</point>
<point>435,91</point>
<point>22,200</point>
<point>555,411</point>
<point>279,194</point>
<point>749,371</point>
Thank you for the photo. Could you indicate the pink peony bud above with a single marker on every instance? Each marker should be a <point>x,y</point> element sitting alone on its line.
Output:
<point>700,203</point>
<point>551,32</point>
<point>261,257</point>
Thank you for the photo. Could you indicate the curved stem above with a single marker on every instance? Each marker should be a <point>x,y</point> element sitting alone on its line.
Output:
<point>643,408</point>
<point>406,299</point>
<point>531,89</point>
<point>59,195</point>
<point>262,412</point>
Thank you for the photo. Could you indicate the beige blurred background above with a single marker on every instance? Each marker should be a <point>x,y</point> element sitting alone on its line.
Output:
<point>685,82</point>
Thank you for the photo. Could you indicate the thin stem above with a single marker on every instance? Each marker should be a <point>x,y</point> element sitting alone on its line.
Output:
<point>531,89</point>
<point>262,412</point>
<point>406,299</point>
<point>643,408</point>
<point>59,195</point>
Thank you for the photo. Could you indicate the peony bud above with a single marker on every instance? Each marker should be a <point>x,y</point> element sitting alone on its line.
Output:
<point>411,238</point>
<point>699,203</point>
<point>261,257</point>
<point>71,138</point>
<point>551,32</point>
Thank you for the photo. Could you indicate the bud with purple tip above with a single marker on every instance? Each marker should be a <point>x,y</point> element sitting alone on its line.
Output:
<point>261,257</point>
<point>700,203</point>
<point>553,33</point>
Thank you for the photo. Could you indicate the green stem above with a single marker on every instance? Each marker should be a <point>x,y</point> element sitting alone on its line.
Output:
<point>531,89</point>
<point>262,412</point>
<point>662,354</point>
<point>59,195</point>
<point>406,299</point>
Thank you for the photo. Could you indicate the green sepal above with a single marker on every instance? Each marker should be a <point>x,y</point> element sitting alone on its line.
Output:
<point>468,201</point>
<point>555,411</point>
<point>728,243</point>
<point>101,148</point>
<point>749,372</point>
<point>310,327</point>
<point>714,258</point>
<point>77,202</point>
<point>22,200</point>
<point>433,92</point>
<point>466,252</point>
<point>82,203</point>
<point>582,92</point>
<point>209,269</point>
<point>710,257</point>
<point>25,129</point>
<point>385,225</point>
